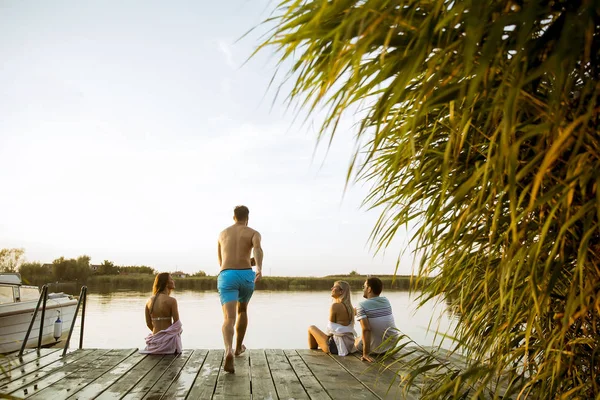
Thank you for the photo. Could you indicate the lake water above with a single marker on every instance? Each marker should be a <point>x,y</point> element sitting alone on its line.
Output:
<point>116,320</point>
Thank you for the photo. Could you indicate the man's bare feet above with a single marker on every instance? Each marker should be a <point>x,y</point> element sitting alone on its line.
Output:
<point>241,351</point>
<point>228,367</point>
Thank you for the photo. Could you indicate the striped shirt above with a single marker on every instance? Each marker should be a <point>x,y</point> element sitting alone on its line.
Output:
<point>379,312</point>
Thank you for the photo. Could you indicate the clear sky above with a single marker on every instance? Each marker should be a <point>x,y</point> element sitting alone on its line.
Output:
<point>130,129</point>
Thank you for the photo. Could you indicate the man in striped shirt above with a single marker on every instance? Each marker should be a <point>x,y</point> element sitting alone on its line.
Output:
<point>376,319</point>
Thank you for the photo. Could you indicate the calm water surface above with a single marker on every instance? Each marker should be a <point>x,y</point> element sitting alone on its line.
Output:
<point>277,319</point>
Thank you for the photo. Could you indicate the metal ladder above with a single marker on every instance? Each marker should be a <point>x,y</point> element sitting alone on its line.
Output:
<point>42,301</point>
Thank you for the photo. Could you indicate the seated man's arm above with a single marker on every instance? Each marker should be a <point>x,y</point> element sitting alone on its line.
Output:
<point>148,318</point>
<point>258,254</point>
<point>366,339</point>
<point>175,311</point>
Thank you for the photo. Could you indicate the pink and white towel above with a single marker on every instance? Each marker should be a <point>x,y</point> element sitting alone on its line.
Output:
<point>167,341</point>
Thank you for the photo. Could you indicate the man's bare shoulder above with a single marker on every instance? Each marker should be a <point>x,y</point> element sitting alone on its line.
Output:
<point>226,231</point>
<point>252,234</point>
<point>253,231</point>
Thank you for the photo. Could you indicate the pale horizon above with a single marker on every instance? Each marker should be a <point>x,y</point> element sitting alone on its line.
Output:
<point>130,131</point>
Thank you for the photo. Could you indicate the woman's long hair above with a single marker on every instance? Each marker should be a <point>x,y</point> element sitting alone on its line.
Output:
<point>346,299</point>
<point>160,282</point>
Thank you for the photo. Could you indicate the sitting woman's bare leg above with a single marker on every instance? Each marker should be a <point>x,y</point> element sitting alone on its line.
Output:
<point>317,337</point>
<point>312,342</point>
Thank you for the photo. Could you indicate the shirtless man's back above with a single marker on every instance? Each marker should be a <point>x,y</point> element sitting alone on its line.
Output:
<point>235,246</point>
<point>236,279</point>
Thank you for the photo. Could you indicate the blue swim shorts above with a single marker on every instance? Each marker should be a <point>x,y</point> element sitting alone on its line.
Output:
<point>236,285</point>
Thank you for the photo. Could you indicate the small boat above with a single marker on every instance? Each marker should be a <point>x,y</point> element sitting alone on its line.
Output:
<point>17,306</point>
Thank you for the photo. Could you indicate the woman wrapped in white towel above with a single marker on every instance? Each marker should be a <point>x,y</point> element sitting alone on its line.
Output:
<point>339,335</point>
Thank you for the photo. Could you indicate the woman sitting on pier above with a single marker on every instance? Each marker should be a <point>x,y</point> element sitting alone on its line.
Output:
<point>162,318</point>
<point>339,336</point>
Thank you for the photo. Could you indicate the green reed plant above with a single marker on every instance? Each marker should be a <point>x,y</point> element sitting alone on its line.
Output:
<point>479,124</point>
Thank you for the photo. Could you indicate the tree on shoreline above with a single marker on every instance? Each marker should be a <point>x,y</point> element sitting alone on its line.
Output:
<point>11,259</point>
<point>71,269</point>
<point>107,268</point>
<point>479,123</point>
<point>66,270</point>
<point>32,272</point>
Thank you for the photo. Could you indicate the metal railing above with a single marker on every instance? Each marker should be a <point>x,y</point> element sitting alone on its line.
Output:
<point>82,299</point>
<point>43,298</point>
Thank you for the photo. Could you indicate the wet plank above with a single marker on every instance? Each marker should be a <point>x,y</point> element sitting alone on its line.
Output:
<point>237,385</point>
<point>144,385</point>
<point>338,383</point>
<point>131,378</point>
<point>197,374</point>
<point>164,382</point>
<point>206,380</point>
<point>12,361</point>
<point>311,384</point>
<point>50,374</point>
<point>84,374</point>
<point>382,381</point>
<point>99,385</point>
<point>260,375</point>
<point>12,357</point>
<point>18,371</point>
<point>287,383</point>
<point>183,382</point>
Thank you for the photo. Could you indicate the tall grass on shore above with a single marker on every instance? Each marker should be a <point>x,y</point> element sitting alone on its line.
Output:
<point>143,282</point>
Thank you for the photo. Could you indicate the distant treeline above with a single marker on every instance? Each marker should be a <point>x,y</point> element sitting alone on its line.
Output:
<point>144,283</point>
<point>61,270</point>
<point>69,274</point>
<point>76,270</point>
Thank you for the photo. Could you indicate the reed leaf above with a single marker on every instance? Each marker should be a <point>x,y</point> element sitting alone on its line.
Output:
<point>480,123</point>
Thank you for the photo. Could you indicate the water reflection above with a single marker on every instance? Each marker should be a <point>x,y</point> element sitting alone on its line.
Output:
<point>277,319</point>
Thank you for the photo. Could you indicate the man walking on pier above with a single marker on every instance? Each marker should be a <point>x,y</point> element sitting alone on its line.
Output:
<point>236,279</point>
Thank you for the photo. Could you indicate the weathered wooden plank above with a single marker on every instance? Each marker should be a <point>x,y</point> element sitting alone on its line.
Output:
<point>453,357</point>
<point>26,368</point>
<point>12,361</point>
<point>49,374</point>
<point>337,381</point>
<point>92,390</point>
<point>397,366</point>
<point>382,381</point>
<point>164,382</point>
<point>131,378</point>
<point>237,385</point>
<point>181,385</point>
<point>85,374</point>
<point>311,384</point>
<point>145,384</point>
<point>260,375</point>
<point>206,380</point>
<point>115,374</point>
<point>11,357</point>
<point>287,383</point>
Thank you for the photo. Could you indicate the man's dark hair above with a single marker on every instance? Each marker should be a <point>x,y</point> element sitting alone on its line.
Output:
<point>241,213</point>
<point>375,284</point>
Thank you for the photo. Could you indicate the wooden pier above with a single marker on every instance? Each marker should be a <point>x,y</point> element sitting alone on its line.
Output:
<point>194,374</point>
